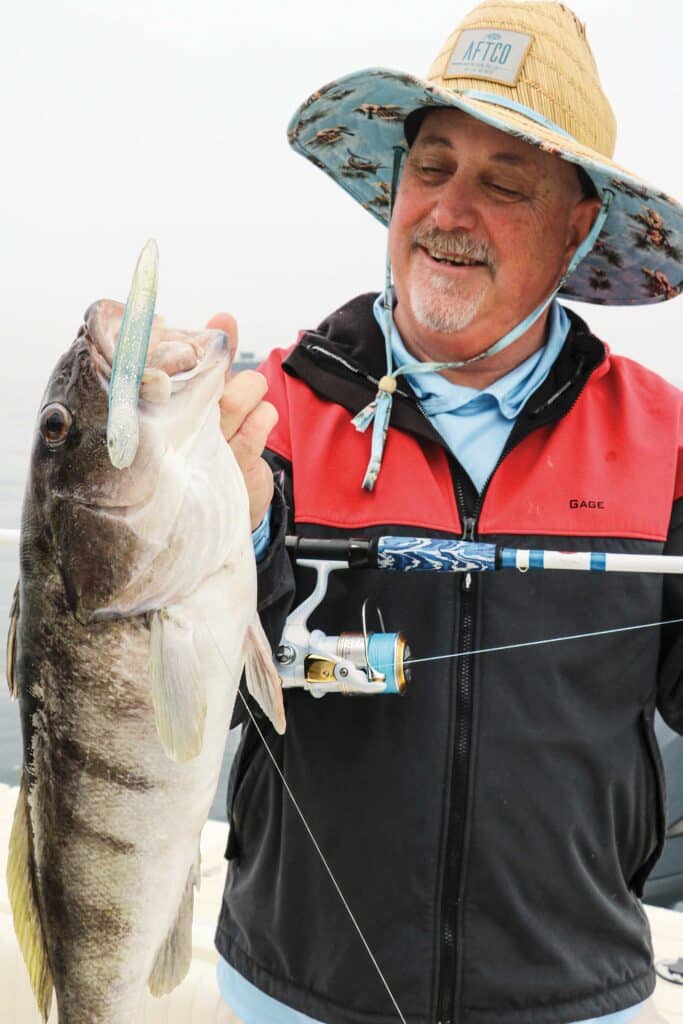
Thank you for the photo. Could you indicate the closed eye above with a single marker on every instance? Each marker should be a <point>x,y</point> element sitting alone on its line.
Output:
<point>504,191</point>
<point>426,169</point>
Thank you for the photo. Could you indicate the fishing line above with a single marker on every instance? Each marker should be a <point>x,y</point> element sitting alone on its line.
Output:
<point>539,643</point>
<point>415,661</point>
<point>324,861</point>
<point>320,853</point>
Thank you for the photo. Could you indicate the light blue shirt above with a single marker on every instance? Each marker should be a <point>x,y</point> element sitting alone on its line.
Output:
<point>253,1006</point>
<point>260,537</point>
<point>475,425</point>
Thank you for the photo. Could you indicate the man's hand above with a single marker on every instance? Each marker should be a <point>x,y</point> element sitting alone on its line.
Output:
<point>246,422</point>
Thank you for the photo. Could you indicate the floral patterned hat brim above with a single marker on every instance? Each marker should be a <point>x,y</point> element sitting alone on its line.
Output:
<point>350,127</point>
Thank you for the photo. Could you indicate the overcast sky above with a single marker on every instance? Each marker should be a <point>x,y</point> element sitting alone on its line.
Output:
<point>167,118</point>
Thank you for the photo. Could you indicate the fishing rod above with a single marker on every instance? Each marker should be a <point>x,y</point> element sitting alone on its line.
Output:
<point>435,554</point>
<point>368,662</point>
<point>379,662</point>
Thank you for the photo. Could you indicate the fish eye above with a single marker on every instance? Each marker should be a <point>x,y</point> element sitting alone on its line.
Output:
<point>55,424</point>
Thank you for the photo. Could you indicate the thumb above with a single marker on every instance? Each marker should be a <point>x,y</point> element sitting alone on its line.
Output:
<point>227,323</point>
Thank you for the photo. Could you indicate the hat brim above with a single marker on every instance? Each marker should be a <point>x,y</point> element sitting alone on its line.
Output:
<point>350,127</point>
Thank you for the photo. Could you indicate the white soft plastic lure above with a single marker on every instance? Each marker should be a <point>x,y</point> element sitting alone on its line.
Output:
<point>130,358</point>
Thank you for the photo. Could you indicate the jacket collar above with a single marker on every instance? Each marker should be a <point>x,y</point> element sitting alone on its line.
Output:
<point>343,359</point>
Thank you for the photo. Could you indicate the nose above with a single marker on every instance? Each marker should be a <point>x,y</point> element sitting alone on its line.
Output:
<point>455,207</point>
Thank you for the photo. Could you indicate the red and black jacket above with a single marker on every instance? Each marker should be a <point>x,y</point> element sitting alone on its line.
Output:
<point>493,828</point>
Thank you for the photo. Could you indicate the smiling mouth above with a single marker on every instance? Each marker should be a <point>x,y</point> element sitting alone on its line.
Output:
<point>452,259</point>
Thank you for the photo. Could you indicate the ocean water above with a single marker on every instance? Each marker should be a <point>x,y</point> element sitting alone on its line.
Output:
<point>19,404</point>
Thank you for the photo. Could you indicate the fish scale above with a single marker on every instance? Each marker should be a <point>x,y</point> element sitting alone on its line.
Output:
<point>136,611</point>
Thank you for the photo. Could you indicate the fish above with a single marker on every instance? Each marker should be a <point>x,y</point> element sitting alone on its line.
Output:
<point>134,615</point>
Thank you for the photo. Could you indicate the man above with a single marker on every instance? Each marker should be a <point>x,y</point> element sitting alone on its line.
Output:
<point>492,830</point>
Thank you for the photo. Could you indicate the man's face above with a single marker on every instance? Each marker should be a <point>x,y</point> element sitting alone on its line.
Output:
<point>483,227</point>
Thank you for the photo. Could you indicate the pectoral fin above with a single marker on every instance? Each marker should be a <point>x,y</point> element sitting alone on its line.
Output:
<point>10,672</point>
<point>178,692</point>
<point>27,925</point>
<point>175,955</point>
<point>263,682</point>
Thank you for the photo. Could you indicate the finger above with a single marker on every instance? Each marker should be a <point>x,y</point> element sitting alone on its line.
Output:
<point>223,322</point>
<point>249,441</point>
<point>241,394</point>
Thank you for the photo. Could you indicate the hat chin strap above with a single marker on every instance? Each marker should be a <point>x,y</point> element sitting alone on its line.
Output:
<point>378,411</point>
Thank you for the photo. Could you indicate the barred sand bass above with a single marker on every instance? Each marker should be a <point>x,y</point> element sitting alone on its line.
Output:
<point>134,615</point>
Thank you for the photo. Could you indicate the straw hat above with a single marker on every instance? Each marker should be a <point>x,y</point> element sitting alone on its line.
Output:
<point>525,68</point>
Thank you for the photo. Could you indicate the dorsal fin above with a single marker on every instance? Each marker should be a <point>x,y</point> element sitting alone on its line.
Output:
<point>10,670</point>
<point>22,895</point>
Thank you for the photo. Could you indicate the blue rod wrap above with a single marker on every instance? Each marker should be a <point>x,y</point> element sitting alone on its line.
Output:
<point>429,554</point>
<point>508,558</point>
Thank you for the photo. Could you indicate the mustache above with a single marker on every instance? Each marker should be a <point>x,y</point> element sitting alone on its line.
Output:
<point>454,243</point>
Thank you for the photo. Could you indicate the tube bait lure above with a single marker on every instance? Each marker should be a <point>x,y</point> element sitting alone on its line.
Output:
<point>130,358</point>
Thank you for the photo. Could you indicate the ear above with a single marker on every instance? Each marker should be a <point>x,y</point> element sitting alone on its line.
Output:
<point>580,222</point>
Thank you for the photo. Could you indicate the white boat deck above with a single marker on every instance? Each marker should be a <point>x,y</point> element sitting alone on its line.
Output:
<point>196,1000</point>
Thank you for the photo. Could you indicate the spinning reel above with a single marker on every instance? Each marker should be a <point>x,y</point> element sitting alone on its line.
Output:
<point>362,663</point>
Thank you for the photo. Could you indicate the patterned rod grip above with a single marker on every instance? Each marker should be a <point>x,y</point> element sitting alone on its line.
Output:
<point>433,554</point>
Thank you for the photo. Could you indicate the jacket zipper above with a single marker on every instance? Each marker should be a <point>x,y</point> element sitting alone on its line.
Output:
<point>343,362</point>
<point>449,969</point>
<point>449,976</point>
<point>449,972</point>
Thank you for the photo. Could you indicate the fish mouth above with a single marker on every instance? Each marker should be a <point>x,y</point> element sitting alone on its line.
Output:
<point>218,351</point>
<point>177,407</point>
<point>174,357</point>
